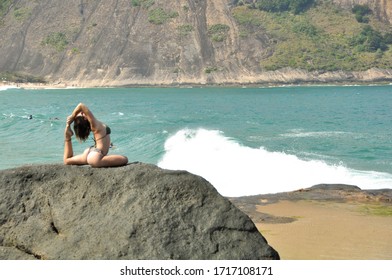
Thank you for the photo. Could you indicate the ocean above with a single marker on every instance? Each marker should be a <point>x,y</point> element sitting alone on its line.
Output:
<point>244,141</point>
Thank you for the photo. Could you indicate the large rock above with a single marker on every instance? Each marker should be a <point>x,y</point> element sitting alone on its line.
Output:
<point>134,212</point>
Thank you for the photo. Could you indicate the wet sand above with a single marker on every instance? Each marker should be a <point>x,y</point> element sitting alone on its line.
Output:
<point>327,230</point>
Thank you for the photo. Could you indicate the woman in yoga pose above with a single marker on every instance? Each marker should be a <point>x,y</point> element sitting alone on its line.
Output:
<point>97,155</point>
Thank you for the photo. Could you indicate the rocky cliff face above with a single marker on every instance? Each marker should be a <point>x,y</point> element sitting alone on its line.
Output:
<point>134,212</point>
<point>123,42</point>
<point>119,43</point>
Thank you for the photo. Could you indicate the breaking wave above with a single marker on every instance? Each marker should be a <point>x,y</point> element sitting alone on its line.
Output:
<point>238,170</point>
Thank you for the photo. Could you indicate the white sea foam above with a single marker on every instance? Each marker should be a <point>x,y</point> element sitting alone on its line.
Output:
<point>8,87</point>
<point>300,133</point>
<point>237,170</point>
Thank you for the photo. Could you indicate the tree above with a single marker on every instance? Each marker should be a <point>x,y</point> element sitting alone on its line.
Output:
<point>370,40</point>
<point>362,13</point>
<point>296,6</point>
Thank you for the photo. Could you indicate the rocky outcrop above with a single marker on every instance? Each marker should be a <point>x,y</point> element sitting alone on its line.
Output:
<point>323,192</point>
<point>297,76</point>
<point>134,212</point>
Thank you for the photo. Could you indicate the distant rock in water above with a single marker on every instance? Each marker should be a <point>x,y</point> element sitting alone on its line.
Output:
<point>134,212</point>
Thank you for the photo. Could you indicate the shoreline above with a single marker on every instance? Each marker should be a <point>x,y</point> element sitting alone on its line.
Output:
<point>47,86</point>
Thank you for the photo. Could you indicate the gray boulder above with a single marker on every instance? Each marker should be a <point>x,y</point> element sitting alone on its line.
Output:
<point>134,212</point>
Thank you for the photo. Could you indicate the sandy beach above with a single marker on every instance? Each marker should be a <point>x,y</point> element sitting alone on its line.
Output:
<point>324,222</point>
<point>328,230</point>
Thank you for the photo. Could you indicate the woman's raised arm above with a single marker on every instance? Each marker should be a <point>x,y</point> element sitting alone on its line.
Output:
<point>82,108</point>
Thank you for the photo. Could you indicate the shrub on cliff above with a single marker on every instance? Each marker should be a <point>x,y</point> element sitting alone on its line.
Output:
<point>361,13</point>
<point>57,40</point>
<point>218,32</point>
<point>160,16</point>
<point>295,6</point>
<point>370,40</point>
<point>143,3</point>
<point>4,6</point>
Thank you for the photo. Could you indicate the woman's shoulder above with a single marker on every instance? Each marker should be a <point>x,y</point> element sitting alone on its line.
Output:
<point>99,127</point>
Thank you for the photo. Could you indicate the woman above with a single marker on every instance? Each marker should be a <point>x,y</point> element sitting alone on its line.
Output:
<point>97,155</point>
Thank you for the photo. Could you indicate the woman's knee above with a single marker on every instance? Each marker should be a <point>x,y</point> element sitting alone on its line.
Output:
<point>125,160</point>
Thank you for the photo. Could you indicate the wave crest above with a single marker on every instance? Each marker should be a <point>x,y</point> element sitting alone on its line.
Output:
<point>237,170</point>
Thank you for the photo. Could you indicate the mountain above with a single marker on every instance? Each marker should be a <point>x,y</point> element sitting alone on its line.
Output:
<point>156,42</point>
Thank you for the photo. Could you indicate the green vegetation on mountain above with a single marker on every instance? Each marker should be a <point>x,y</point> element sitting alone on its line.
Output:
<point>20,78</point>
<point>160,16</point>
<point>318,37</point>
<point>295,6</point>
<point>21,13</point>
<point>143,3</point>
<point>185,29</point>
<point>218,32</point>
<point>362,13</point>
<point>57,40</point>
<point>4,6</point>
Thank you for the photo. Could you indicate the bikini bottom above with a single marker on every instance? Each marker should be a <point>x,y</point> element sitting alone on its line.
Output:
<point>93,149</point>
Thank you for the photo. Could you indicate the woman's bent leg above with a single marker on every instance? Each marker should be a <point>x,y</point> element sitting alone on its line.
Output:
<point>114,160</point>
<point>96,159</point>
<point>77,160</point>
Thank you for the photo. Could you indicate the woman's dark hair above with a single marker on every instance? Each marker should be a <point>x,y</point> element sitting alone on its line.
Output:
<point>82,128</point>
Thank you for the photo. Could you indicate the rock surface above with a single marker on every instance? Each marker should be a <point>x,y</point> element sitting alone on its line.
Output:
<point>134,212</point>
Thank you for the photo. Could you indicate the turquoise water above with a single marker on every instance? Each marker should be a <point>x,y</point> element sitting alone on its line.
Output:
<point>243,140</point>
